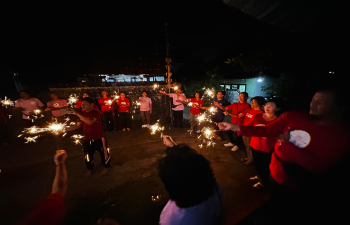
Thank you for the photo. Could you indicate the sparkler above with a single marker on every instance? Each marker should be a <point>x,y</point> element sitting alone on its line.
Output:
<point>31,139</point>
<point>109,102</point>
<point>155,86</point>
<point>175,88</point>
<point>116,96</point>
<point>7,102</point>
<point>210,92</point>
<point>212,110</point>
<point>77,138</point>
<point>154,128</point>
<point>73,99</point>
<point>190,104</point>
<point>208,135</point>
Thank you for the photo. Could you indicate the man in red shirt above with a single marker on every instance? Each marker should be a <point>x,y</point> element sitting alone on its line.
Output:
<point>124,111</point>
<point>94,139</point>
<point>107,111</point>
<point>237,108</point>
<point>311,148</point>
<point>78,105</point>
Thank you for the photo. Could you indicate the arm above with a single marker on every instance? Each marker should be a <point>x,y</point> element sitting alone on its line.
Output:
<point>164,93</point>
<point>60,182</point>
<point>84,119</point>
<point>220,106</point>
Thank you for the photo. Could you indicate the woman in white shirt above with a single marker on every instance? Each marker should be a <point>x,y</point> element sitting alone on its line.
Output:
<point>145,108</point>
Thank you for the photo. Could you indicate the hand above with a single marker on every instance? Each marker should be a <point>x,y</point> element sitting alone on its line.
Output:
<point>226,113</point>
<point>224,126</point>
<point>167,141</point>
<point>240,115</point>
<point>60,157</point>
<point>72,111</point>
<point>284,137</point>
<point>177,100</point>
<point>216,103</point>
<point>47,109</point>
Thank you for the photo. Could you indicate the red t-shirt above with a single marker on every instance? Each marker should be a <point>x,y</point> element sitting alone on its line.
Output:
<point>79,105</point>
<point>249,116</point>
<point>314,147</point>
<point>195,105</point>
<point>262,143</point>
<point>51,211</point>
<point>122,105</point>
<point>95,130</point>
<point>106,104</point>
<point>238,108</point>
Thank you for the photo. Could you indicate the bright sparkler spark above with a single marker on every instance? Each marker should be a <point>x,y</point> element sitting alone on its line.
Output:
<point>56,128</point>
<point>109,102</point>
<point>175,88</point>
<point>116,96</point>
<point>212,110</point>
<point>210,92</point>
<point>77,138</point>
<point>7,102</point>
<point>154,128</point>
<point>31,139</point>
<point>73,99</point>
<point>190,104</point>
<point>37,111</point>
<point>155,86</point>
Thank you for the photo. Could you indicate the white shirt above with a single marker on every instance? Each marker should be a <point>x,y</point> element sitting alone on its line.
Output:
<point>209,212</point>
<point>182,97</point>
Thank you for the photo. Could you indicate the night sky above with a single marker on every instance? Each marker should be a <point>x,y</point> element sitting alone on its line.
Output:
<point>43,42</point>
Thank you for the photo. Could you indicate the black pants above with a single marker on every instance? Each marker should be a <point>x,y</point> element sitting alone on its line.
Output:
<point>234,138</point>
<point>108,120</point>
<point>90,147</point>
<point>218,119</point>
<point>125,119</point>
<point>262,162</point>
<point>178,117</point>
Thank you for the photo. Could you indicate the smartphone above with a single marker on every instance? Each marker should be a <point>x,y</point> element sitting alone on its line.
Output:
<point>65,111</point>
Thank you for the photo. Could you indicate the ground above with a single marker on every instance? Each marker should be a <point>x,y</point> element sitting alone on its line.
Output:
<point>125,193</point>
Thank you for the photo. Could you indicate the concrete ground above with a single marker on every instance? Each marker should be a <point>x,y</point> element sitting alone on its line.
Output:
<point>124,194</point>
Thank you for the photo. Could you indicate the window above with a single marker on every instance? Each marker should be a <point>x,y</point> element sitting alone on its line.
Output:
<point>234,86</point>
<point>151,79</point>
<point>222,87</point>
<point>242,88</point>
<point>227,87</point>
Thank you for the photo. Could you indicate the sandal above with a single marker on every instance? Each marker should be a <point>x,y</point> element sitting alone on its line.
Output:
<point>244,159</point>
<point>248,162</point>
<point>124,129</point>
<point>128,129</point>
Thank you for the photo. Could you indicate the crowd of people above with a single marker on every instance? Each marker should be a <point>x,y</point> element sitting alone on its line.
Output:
<point>300,157</point>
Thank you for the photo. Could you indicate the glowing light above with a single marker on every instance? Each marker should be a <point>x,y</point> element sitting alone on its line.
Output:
<point>212,110</point>
<point>109,102</point>
<point>210,92</point>
<point>155,198</point>
<point>7,102</point>
<point>73,99</point>
<point>37,111</point>
<point>116,96</point>
<point>155,86</point>
<point>77,138</point>
<point>260,80</point>
<point>190,104</point>
<point>31,139</point>
<point>175,88</point>
<point>154,128</point>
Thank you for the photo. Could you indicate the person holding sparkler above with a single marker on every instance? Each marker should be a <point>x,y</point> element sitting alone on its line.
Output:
<point>219,115</point>
<point>107,111</point>
<point>58,107</point>
<point>94,138</point>
<point>196,104</point>
<point>124,111</point>
<point>310,163</point>
<point>78,105</point>
<point>178,106</point>
<point>28,105</point>
<point>237,108</point>
<point>195,197</point>
<point>249,116</point>
<point>145,108</point>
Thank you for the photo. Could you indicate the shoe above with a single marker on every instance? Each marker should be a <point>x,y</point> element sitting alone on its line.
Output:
<point>89,173</point>
<point>235,148</point>
<point>198,131</point>
<point>104,171</point>
<point>248,162</point>
<point>244,159</point>
<point>124,129</point>
<point>229,144</point>
<point>258,185</point>
<point>254,178</point>
<point>128,129</point>
<point>189,130</point>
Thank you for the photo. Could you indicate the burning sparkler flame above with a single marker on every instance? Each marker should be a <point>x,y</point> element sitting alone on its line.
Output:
<point>7,102</point>
<point>72,99</point>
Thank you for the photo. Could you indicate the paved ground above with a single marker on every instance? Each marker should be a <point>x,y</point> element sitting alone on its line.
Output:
<point>124,194</point>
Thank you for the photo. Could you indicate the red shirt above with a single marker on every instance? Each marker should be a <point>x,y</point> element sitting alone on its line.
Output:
<point>79,106</point>
<point>314,147</point>
<point>249,116</point>
<point>106,104</point>
<point>262,143</point>
<point>51,211</point>
<point>195,105</point>
<point>95,130</point>
<point>122,105</point>
<point>238,108</point>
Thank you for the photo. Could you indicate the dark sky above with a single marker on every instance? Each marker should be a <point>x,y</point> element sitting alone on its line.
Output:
<point>37,40</point>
